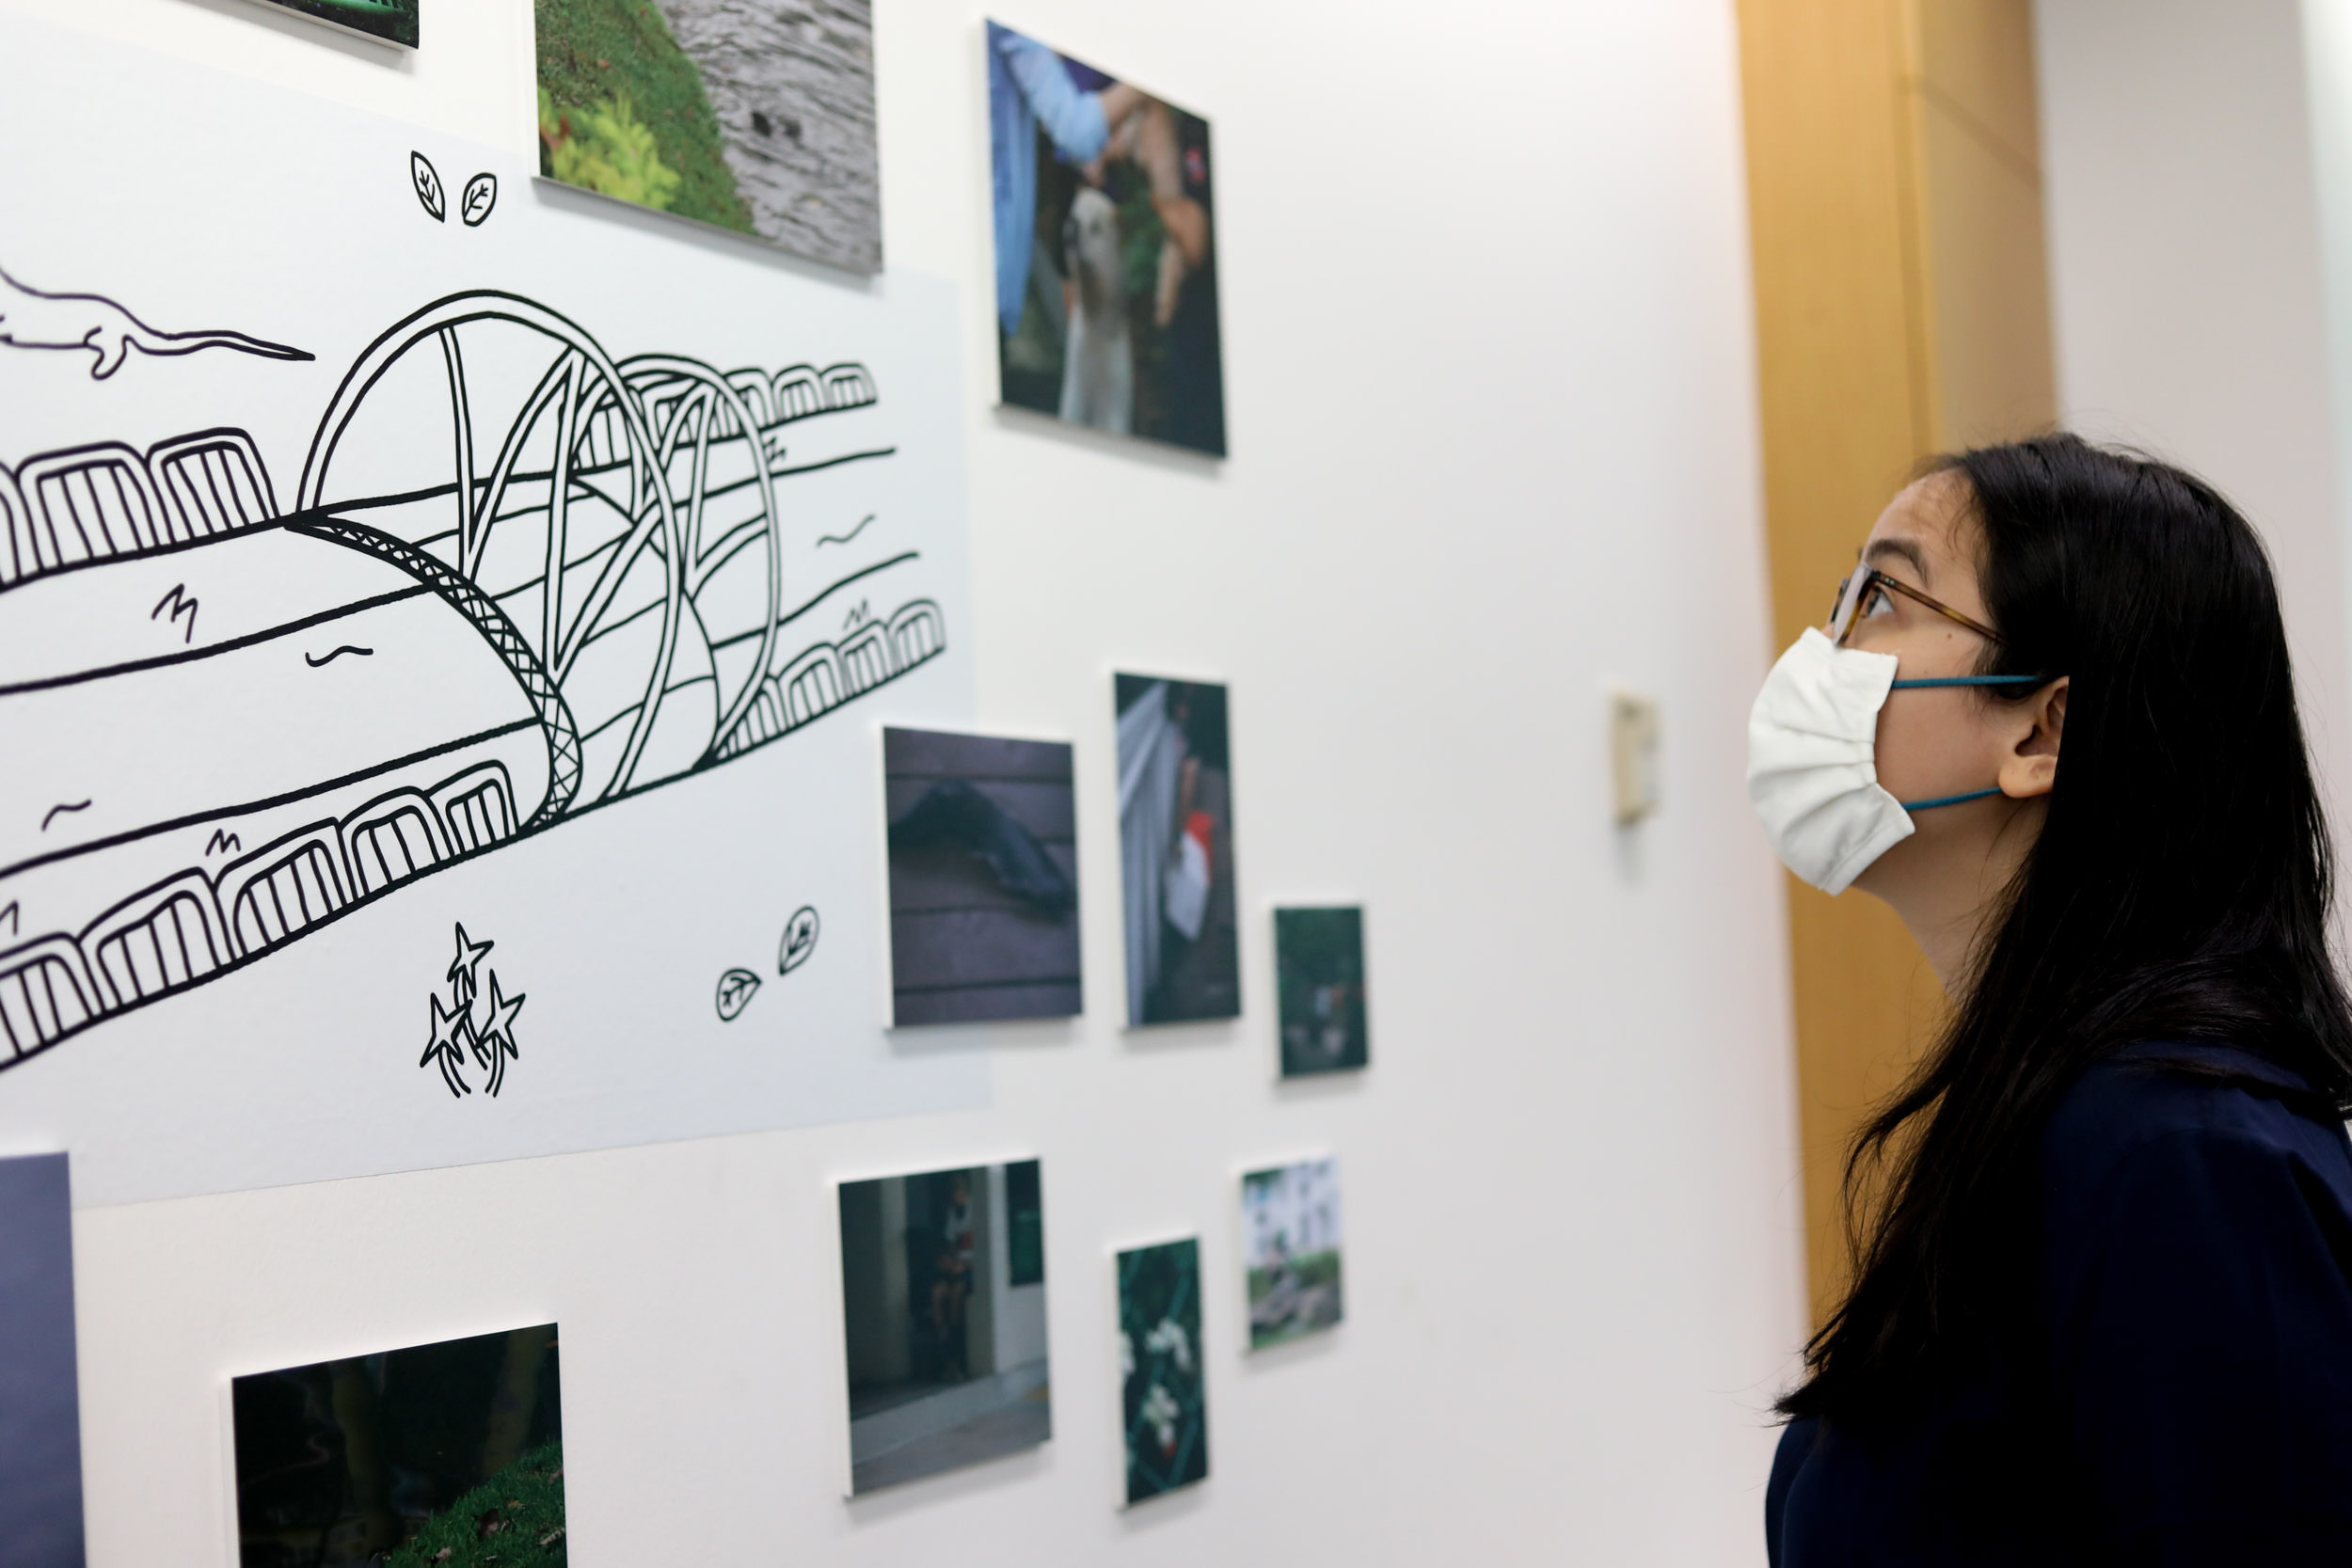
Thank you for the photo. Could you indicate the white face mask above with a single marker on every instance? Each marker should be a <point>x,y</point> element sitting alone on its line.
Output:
<point>1812,759</point>
<point>1812,773</point>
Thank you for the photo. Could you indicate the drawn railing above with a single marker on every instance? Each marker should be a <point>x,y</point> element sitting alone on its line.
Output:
<point>190,926</point>
<point>186,928</point>
<point>823,677</point>
<point>94,502</point>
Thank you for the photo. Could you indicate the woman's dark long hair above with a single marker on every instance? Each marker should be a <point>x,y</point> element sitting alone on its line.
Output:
<point>2179,888</point>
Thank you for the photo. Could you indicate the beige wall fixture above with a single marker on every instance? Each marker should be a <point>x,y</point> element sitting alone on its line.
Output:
<point>1902,308</point>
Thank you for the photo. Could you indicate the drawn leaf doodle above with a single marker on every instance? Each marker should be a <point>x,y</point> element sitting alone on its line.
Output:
<point>482,194</point>
<point>737,988</point>
<point>800,939</point>
<point>429,183</point>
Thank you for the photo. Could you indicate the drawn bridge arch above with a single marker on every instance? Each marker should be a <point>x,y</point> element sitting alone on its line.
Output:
<point>568,547</point>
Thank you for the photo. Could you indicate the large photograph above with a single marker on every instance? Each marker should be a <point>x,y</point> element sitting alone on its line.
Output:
<point>942,1303</point>
<point>449,1454</point>
<point>1163,1386</point>
<point>393,21</point>
<point>1176,851</point>
<point>41,1421</point>
<point>1106,310</point>
<point>983,878</point>
<point>754,115</point>
<point>1290,1222</point>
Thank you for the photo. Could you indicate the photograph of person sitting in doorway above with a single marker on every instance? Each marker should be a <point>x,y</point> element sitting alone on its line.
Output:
<point>943,1300</point>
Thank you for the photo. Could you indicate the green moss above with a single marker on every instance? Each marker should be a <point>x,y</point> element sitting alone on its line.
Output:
<point>515,1520</point>
<point>619,101</point>
<point>605,148</point>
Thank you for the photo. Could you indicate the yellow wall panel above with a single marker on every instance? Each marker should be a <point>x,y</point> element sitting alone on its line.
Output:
<point>1895,224</point>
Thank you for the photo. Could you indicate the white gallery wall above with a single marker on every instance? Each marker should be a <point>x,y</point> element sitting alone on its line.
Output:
<point>2191,274</point>
<point>1490,389</point>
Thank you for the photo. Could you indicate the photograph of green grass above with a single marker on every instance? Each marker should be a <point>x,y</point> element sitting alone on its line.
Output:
<point>393,21</point>
<point>449,1454</point>
<point>756,115</point>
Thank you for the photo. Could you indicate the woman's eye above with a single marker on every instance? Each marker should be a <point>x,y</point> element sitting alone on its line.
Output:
<point>1876,601</point>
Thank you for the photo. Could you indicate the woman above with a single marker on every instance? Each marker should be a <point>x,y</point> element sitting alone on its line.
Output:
<point>2103,1304</point>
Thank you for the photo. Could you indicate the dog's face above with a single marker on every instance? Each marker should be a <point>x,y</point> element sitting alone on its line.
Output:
<point>1091,239</point>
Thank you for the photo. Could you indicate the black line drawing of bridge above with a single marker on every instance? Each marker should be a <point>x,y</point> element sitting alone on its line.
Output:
<point>598,577</point>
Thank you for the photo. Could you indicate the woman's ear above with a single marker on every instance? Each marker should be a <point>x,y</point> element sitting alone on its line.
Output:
<point>2035,728</point>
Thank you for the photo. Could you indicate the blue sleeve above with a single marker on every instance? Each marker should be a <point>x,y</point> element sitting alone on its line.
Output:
<point>2201,1338</point>
<point>1073,121</point>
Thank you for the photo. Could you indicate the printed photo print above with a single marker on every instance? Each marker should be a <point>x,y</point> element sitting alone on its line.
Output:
<point>983,878</point>
<point>1164,1391</point>
<point>1105,250</point>
<point>448,1454</point>
<point>41,1419</point>
<point>393,21</point>
<point>754,115</point>
<point>1319,987</point>
<point>943,1299</point>
<point>1176,851</point>
<point>1290,1225</point>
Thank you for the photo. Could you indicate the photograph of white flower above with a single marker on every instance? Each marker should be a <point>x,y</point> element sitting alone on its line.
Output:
<point>1165,1397</point>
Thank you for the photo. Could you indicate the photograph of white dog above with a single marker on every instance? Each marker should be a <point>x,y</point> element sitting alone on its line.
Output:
<point>1106,308</point>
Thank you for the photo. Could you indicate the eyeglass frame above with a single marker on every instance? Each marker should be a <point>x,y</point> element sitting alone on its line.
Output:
<point>1856,588</point>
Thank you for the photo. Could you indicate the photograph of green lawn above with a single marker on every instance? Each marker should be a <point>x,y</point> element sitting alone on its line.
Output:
<point>756,115</point>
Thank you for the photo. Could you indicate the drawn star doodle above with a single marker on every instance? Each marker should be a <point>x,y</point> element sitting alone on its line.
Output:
<point>451,1032</point>
<point>494,1042</point>
<point>472,1024</point>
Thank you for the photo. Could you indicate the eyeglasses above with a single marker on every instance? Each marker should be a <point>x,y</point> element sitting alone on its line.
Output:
<point>1862,581</point>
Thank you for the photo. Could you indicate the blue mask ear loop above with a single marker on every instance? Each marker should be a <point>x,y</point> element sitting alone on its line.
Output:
<point>1961,680</point>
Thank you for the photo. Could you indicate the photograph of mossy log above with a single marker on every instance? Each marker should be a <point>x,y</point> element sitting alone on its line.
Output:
<point>393,21</point>
<point>754,115</point>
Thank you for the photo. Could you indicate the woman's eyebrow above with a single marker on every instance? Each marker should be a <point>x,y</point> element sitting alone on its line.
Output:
<point>1901,550</point>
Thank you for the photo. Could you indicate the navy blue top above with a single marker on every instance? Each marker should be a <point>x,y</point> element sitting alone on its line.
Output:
<point>2190,1400</point>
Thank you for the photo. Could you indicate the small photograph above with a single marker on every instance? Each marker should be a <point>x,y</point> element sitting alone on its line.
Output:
<point>754,115</point>
<point>983,878</point>
<point>41,1421</point>
<point>449,1454</point>
<point>1176,851</point>
<point>1319,985</point>
<point>1105,250</point>
<point>943,1300</point>
<point>393,21</point>
<point>1289,1223</point>
<point>1166,1393</point>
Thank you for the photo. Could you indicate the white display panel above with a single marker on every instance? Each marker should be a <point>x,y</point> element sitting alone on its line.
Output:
<point>308,767</point>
